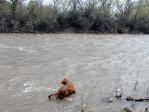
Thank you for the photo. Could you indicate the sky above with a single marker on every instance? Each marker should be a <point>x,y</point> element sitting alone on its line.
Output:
<point>45,2</point>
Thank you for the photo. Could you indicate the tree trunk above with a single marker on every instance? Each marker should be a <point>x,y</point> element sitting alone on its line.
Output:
<point>14,4</point>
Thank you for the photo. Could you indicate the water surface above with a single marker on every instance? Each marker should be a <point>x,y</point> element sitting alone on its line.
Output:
<point>32,66</point>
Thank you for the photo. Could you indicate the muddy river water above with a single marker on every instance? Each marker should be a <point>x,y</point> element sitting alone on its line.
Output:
<point>32,66</point>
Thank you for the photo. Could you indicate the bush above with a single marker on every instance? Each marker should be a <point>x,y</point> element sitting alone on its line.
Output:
<point>105,16</point>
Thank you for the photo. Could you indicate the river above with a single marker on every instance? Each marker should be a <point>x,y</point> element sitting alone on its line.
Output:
<point>33,65</point>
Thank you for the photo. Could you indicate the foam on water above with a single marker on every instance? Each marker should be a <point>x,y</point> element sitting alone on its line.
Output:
<point>24,49</point>
<point>19,48</point>
<point>3,46</point>
<point>32,87</point>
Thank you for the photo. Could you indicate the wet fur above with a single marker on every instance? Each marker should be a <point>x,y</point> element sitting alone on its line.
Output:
<point>65,91</point>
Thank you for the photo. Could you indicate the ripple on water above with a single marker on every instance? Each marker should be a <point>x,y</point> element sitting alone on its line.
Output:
<point>25,49</point>
<point>33,87</point>
<point>4,47</point>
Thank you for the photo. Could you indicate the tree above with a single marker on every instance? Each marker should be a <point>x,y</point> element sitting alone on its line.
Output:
<point>13,6</point>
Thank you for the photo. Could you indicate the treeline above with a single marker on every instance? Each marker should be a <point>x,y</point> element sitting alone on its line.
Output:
<point>97,16</point>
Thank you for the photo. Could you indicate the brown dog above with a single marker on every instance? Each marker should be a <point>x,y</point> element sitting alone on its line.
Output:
<point>65,91</point>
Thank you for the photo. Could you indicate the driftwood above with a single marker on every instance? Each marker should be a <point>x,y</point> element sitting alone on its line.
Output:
<point>129,98</point>
<point>137,99</point>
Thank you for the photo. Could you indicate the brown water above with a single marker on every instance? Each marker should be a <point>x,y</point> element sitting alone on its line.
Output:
<point>32,66</point>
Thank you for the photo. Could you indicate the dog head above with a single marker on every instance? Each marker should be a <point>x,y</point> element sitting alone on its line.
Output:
<point>64,81</point>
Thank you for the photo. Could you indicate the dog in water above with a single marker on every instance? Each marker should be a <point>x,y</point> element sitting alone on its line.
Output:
<point>65,91</point>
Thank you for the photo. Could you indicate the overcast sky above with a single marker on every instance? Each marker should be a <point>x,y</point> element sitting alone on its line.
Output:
<point>46,2</point>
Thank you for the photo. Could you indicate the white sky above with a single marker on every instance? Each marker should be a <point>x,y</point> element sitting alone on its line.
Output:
<point>46,2</point>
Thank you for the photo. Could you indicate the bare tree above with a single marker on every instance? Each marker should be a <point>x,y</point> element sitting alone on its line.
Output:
<point>106,6</point>
<point>13,6</point>
<point>1,7</point>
